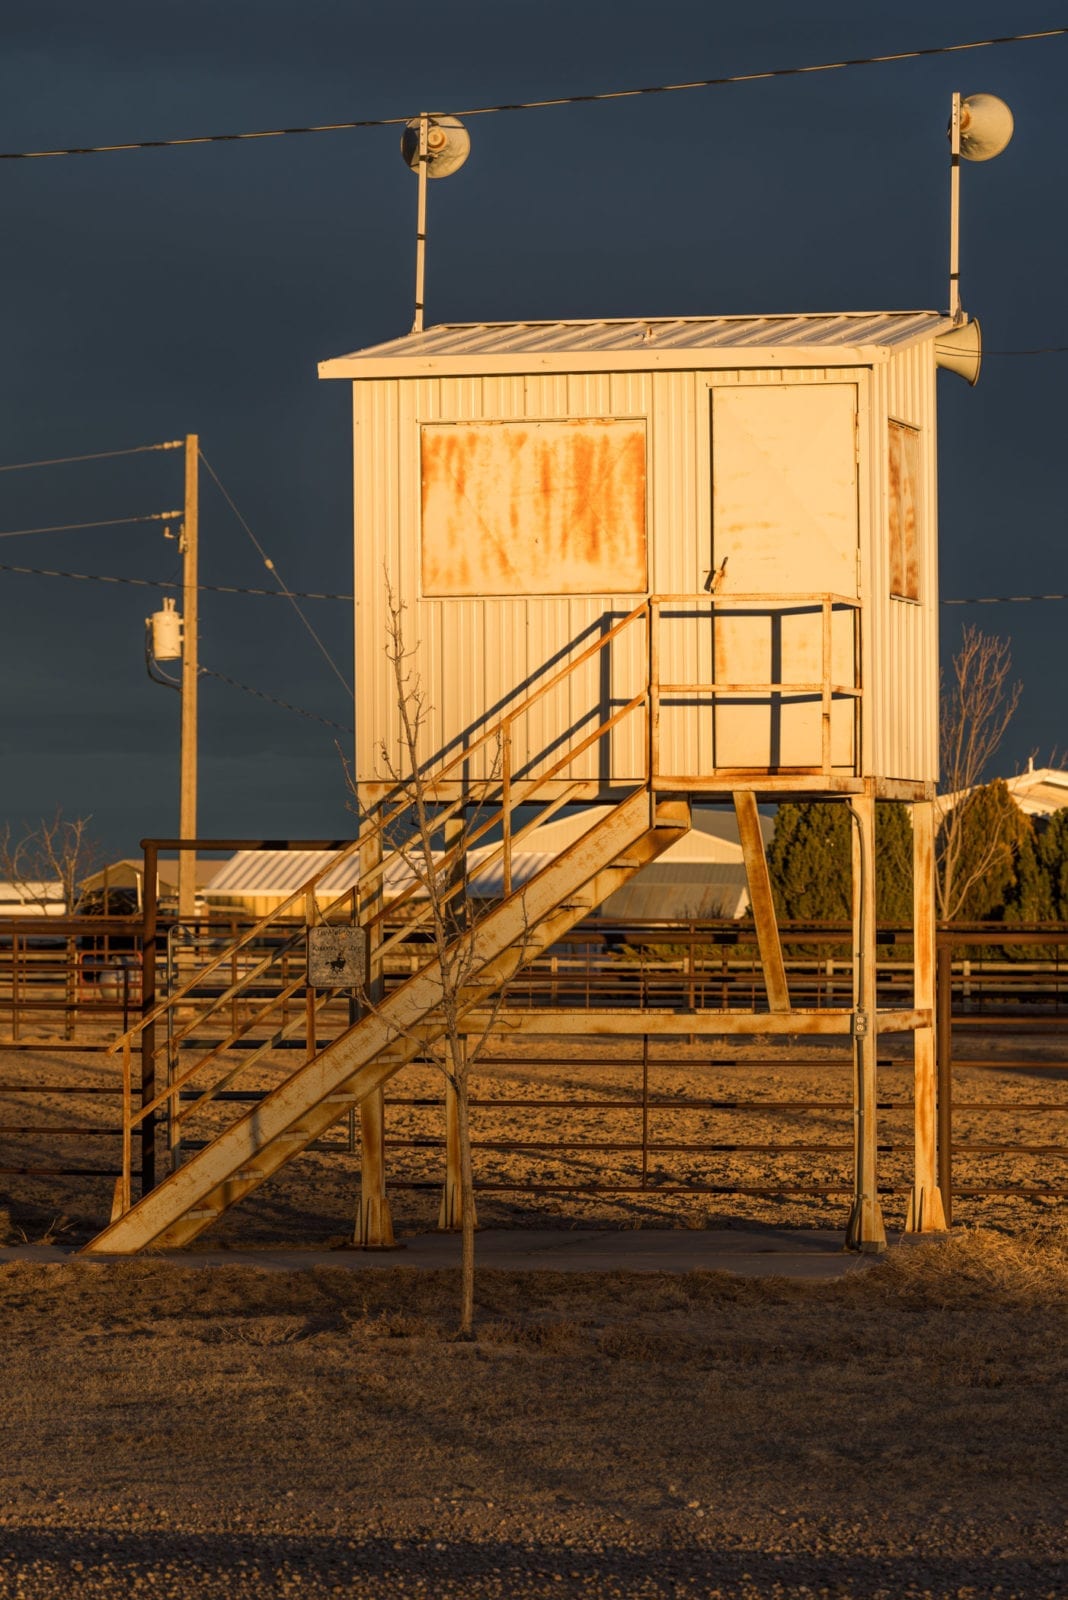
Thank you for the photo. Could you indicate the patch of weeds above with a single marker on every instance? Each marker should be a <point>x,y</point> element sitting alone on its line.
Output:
<point>531,1336</point>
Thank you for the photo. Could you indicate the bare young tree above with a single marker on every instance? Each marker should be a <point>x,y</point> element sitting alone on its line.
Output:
<point>976,710</point>
<point>434,853</point>
<point>56,851</point>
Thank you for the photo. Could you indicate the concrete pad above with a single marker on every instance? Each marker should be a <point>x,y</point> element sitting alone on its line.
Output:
<point>812,1254</point>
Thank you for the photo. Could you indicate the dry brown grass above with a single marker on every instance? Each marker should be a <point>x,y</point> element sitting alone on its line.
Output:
<point>895,1432</point>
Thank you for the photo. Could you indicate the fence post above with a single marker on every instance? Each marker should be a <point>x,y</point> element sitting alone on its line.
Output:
<point>148,1003</point>
<point>944,1032</point>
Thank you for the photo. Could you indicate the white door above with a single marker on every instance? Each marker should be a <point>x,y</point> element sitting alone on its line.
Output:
<point>784,519</point>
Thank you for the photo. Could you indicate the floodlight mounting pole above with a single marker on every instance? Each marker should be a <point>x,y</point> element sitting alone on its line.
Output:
<point>420,225</point>
<point>187,806</point>
<point>954,210</point>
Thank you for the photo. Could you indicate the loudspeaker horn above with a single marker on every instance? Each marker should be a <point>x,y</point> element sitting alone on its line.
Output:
<point>448,145</point>
<point>985,127</point>
<point>961,351</point>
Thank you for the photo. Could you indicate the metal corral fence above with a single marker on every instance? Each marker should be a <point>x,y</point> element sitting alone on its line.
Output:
<point>67,989</point>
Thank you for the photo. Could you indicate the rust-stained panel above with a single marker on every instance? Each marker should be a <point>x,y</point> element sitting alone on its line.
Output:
<point>518,508</point>
<point>903,513</point>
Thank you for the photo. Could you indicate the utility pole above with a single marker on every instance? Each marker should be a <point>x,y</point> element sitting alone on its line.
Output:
<point>187,803</point>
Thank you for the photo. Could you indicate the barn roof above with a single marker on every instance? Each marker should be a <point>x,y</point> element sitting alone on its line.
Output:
<point>637,343</point>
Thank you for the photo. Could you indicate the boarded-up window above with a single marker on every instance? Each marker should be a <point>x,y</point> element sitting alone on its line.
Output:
<point>904,511</point>
<point>534,507</point>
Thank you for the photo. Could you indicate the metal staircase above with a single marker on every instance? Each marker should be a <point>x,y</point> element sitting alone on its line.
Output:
<point>368,1053</point>
<point>237,1019</point>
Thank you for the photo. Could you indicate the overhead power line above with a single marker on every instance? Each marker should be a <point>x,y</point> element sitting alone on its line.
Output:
<point>97,455</point>
<point>104,522</point>
<point>172,583</point>
<point>1003,599</point>
<point>541,105</point>
<point>277,576</point>
<point>261,694</point>
<point>310,594</point>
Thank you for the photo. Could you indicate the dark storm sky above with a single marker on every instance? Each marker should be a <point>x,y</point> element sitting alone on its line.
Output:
<point>154,293</point>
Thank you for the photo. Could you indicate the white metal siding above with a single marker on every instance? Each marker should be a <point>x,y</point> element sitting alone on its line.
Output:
<point>904,633</point>
<point>476,654</point>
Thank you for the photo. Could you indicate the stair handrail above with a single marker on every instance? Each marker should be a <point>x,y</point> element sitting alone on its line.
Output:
<point>379,827</point>
<point>499,729</point>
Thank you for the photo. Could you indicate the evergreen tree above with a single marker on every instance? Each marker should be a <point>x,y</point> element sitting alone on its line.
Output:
<point>990,813</point>
<point>893,863</point>
<point>809,861</point>
<point>1029,898</point>
<point>1052,850</point>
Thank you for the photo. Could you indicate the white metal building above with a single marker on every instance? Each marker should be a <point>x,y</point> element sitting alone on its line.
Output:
<point>523,486</point>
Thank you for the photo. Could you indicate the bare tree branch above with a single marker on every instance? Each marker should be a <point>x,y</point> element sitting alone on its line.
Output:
<point>56,851</point>
<point>976,710</point>
<point>434,849</point>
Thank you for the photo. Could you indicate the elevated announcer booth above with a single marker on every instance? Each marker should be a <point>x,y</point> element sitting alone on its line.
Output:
<point>761,489</point>
<point>696,554</point>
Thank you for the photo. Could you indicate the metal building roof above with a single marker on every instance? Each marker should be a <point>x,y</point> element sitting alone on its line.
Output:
<point>856,337</point>
<point>685,893</point>
<point>282,872</point>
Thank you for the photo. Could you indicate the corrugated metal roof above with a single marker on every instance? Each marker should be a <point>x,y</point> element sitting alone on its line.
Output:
<point>282,872</point>
<point>680,894</point>
<point>127,874</point>
<point>713,837</point>
<point>631,341</point>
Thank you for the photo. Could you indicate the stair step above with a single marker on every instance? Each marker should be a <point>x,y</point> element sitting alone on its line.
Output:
<point>201,1211</point>
<point>247,1174</point>
<point>339,1100</point>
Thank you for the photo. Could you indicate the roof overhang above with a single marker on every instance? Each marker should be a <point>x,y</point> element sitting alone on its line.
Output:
<point>473,350</point>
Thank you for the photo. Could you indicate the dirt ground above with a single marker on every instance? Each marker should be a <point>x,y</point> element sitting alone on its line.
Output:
<point>230,1431</point>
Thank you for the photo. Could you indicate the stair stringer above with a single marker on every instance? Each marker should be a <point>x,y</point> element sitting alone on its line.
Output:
<point>361,1060</point>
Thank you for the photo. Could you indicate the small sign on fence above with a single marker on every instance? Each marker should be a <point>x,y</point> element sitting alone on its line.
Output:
<point>337,957</point>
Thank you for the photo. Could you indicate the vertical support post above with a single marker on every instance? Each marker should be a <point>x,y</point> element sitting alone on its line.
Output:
<point>148,1005</point>
<point>825,687</point>
<point>924,1208</point>
<point>645,1110</point>
<point>954,208</point>
<point>761,900</point>
<point>374,1227</point>
<point>420,226</point>
<point>925,1213</point>
<point>16,987</point>
<point>865,1230</point>
<point>311,918</point>
<point>653,758</point>
<point>374,1224</point>
<point>506,805</point>
<point>945,1079</point>
<point>187,807</point>
<point>127,1129</point>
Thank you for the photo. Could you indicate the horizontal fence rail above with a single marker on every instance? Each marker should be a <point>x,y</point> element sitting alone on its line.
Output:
<point>67,996</point>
